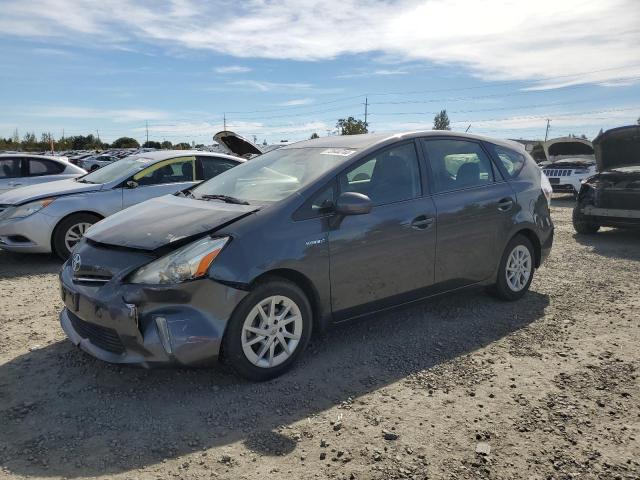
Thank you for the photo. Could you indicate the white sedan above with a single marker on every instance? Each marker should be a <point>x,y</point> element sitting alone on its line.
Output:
<point>21,169</point>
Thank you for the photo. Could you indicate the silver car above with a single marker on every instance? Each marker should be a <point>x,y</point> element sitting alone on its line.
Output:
<point>53,217</point>
<point>20,169</point>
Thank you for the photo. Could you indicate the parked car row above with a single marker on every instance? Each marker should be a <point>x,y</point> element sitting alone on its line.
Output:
<point>20,169</point>
<point>203,254</point>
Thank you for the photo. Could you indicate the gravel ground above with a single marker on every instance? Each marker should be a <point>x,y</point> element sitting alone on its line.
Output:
<point>459,387</point>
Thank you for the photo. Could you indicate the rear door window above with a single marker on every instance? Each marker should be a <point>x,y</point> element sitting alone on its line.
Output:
<point>210,167</point>
<point>10,168</point>
<point>458,164</point>
<point>39,167</point>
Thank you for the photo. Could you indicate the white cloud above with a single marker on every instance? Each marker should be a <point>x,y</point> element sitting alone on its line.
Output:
<point>263,86</point>
<point>115,115</point>
<point>494,39</point>
<point>232,69</point>
<point>296,102</point>
<point>385,72</point>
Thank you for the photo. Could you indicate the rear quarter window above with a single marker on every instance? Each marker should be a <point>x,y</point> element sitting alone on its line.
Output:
<point>512,161</point>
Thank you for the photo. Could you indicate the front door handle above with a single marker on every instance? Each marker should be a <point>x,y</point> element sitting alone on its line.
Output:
<point>505,204</point>
<point>422,222</point>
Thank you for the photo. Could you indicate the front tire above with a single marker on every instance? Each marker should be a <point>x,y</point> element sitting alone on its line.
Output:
<point>516,269</point>
<point>70,231</point>
<point>582,223</point>
<point>269,330</point>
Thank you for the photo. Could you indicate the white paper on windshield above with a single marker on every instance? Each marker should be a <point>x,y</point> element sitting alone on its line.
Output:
<point>343,152</point>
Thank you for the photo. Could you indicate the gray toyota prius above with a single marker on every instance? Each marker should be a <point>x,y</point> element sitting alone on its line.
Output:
<point>247,265</point>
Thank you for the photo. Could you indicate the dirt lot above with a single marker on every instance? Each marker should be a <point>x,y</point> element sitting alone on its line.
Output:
<point>460,387</point>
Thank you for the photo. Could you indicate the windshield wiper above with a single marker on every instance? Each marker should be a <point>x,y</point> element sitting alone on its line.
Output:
<point>82,180</point>
<point>224,198</point>
<point>185,193</point>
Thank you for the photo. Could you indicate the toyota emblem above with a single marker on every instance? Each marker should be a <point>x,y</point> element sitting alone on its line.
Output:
<point>76,262</point>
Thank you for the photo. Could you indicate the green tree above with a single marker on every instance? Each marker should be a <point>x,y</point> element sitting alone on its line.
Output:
<point>313,136</point>
<point>351,126</point>
<point>152,144</point>
<point>182,146</point>
<point>125,142</point>
<point>167,145</point>
<point>441,121</point>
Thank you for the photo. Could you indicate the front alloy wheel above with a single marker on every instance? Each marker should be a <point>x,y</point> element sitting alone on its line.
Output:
<point>272,331</point>
<point>268,330</point>
<point>70,231</point>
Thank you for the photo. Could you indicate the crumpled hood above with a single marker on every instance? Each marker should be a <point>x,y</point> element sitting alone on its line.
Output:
<point>30,193</point>
<point>164,220</point>
<point>618,147</point>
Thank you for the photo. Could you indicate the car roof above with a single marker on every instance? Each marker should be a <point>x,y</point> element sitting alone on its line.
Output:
<point>167,154</point>
<point>33,155</point>
<point>368,140</point>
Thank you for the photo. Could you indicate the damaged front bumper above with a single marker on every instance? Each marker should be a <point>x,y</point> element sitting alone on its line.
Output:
<point>145,325</point>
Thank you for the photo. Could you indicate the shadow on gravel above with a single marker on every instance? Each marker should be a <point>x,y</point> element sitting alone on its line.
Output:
<point>21,264</point>
<point>613,243</point>
<point>62,413</point>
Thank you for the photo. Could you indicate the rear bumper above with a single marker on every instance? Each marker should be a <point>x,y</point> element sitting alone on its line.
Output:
<point>612,212</point>
<point>148,326</point>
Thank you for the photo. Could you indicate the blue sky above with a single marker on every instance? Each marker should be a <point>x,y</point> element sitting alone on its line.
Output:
<point>285,69</point>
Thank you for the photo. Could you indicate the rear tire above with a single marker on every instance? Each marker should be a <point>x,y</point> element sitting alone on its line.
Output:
<point>275,313</point>
<point>582,223</point>
<point>516,269</point>
<point>70,231</point>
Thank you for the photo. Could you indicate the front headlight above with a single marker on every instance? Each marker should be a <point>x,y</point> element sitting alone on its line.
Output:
<point>187,263</point>
<point>30,208</point>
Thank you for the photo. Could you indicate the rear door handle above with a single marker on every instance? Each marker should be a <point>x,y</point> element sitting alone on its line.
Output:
<point>505,204</point>
<point>422,222</point>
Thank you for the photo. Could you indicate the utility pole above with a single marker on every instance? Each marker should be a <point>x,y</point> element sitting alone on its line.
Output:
<point>147,125</point>
<point>546,134</point>
<point>366,105</point>
<point>224,120</point>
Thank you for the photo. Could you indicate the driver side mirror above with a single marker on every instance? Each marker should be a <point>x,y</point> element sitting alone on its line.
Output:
<point>353,203</point>
<point>132,184</point>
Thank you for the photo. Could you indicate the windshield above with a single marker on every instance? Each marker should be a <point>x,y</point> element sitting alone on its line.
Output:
<point>275,175</point>
<point>116,171</point>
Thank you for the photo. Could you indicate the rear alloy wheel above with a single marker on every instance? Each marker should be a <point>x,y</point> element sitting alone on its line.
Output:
<point>70,231</point>
<point>516,269</point>
<point>268,331</point>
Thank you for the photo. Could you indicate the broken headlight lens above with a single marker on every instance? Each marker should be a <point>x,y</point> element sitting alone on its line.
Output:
<point>30,208</point>
<point>187,263</point>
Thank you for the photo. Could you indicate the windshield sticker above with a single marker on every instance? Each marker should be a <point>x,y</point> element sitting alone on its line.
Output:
<point>343,152</point>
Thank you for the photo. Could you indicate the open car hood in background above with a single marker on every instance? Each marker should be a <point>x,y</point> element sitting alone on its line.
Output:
<point>234,144</point>
<point>618,147</point>
<point>163,220</point>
